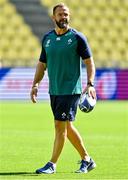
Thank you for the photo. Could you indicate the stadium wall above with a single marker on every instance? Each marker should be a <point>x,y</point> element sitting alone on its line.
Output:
<point>15,84</point>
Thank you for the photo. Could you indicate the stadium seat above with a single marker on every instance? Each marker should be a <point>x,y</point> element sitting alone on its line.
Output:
<point>115,4</point>
<point>101,4</point>
<point>16,21</point>
<point>9,32</point>
<point>73,4</point>
<point>88,4</point>
<point>46,2</point>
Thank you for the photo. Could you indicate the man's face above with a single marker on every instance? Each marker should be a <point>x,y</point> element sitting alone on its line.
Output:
<point>61,17</point>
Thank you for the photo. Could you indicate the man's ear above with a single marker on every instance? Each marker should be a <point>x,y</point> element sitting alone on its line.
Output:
<point>53,17</point>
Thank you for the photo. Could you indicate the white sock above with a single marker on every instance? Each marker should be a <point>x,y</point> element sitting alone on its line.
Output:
<point>54,164</point>
<point>87,159</point>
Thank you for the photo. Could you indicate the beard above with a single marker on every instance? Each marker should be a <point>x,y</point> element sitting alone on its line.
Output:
<point>62,24</point>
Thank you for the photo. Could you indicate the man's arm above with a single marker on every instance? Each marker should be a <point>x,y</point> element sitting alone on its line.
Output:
<point>41,67</point>
<point>90,77</point>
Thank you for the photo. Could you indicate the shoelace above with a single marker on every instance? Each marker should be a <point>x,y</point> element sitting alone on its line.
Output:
<point>79,161</point>
<point>82,164</point>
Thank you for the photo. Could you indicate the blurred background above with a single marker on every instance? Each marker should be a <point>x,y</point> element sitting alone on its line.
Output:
<point>23,24</point>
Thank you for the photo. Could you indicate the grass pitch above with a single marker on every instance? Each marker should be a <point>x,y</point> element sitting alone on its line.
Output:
<point>27,134</point>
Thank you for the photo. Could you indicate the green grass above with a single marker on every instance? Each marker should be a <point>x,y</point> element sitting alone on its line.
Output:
<point>27,134</point>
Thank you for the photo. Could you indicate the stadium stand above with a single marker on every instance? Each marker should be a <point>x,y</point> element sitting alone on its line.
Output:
<point>19,46</point>
<point>35,15</point>
<point>104,22</point>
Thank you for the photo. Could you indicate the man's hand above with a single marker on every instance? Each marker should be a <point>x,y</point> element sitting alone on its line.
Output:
<point>91,91</point>
<point>33,94</point>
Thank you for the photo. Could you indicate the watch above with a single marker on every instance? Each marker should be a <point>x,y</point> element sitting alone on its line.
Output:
<point>90,84</point>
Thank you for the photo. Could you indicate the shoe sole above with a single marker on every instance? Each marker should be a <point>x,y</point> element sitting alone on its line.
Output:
<point>44,173</point>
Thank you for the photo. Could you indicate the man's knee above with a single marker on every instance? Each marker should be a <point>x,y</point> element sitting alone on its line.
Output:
<point>69,126</point>
<point>61,128</point>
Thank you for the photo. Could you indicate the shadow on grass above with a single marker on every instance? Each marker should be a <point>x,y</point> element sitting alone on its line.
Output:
<point>18,173</point>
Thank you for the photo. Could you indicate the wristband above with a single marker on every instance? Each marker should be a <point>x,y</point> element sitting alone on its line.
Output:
<point>35,86</point>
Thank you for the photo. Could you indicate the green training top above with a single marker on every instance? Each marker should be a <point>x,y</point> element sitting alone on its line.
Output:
<point>62,55</point>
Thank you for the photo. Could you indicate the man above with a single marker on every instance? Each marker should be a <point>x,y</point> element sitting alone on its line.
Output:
<point>62,49</point>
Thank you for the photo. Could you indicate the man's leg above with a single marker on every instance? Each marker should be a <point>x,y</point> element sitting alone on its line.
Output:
<point>60,137</point>
<point>75,138</point>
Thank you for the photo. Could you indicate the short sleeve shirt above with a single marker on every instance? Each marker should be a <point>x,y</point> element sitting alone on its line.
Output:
<point>62,54</point>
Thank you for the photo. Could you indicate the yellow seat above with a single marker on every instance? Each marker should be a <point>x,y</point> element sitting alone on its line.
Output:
<point>98,34</point>
<point>25,54</point>
<point>109,13</point>
<point>89,24</point>
<point>101,55</point>
<point>115,3</point>
<point>104,23</point>
<point>74,4</point>
<point>4,43</point>
<point>24,31</point>
<point>32,44</point>
<point>96,13</point>
<point>123,15</point>
<point>46,3</point>
<point>10,55</point>
<point>124,34</point>
<point>101,4</point>
<point>94,44</point>
<point>16,21</point>
<point>3,21</point>
<point>76,23</point>
<point>121,45</point>
<point>17,43</point>
<point>125,4</point>
<point>9,32</point>
<point>87,4</point>
<point>117,23</point>
<point>82,13</point>
<point>112,34</point>
<point>8,10</point>
<point>2,2</point>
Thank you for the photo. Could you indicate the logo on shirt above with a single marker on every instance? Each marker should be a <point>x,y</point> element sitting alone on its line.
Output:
<point>69,41</point>
<point>58,39</point>
<point>48,43</point>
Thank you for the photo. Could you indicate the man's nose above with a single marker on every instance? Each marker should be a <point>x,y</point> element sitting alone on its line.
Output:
<point>63,16</point>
